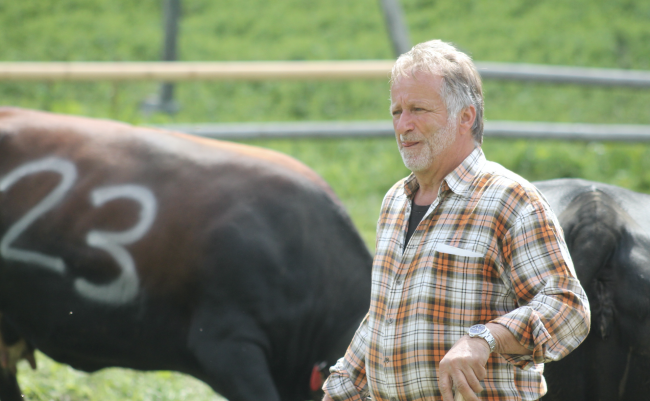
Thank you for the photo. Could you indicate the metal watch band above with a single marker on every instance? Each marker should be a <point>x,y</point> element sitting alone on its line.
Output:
<point>481,331</point>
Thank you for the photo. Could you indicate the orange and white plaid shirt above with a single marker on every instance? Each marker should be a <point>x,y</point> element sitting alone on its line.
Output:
<point>489,249</point>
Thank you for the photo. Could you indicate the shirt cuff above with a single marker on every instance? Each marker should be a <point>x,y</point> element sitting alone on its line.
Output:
<point>340,388</point>
<point>527,326</point>
<point>339,385</point>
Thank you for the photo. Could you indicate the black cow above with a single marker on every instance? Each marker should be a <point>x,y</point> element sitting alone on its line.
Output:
<point>607,230</point>
<point>138,248</point>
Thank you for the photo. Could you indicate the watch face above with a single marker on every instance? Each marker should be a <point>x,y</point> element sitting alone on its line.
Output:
<point>477,329</point>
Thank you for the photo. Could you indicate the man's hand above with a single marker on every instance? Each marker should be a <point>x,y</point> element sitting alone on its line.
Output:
<point>463,368</point>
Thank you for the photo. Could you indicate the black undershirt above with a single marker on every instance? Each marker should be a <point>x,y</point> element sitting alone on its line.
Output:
<point>417,213</point>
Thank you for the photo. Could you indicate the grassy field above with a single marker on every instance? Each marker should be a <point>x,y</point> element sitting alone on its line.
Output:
<point>592,33</point>
<point>596,33</point>
<point>53,381</point>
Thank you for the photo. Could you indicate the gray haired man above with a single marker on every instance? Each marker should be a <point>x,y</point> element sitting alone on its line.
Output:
<point>473,288</point>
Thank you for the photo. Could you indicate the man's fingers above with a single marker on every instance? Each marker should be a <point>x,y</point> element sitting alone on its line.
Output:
<point>445,384</point>
<point>463,388</point>
<point>474,378</point>
<point>463,368</point>
<point>455,385</point>
<point>465,378</point>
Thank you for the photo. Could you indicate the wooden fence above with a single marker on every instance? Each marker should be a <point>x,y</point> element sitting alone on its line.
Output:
<point>299,70</point>
<point>339,129</point>
<point>342,70</point>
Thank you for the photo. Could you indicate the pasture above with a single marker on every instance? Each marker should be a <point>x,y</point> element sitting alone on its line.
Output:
<point>592,33</point>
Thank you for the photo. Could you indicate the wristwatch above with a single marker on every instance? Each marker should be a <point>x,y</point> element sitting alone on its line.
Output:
<point>479,330</point>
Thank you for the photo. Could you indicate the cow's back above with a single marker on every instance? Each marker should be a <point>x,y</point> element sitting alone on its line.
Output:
<point>114,236</point>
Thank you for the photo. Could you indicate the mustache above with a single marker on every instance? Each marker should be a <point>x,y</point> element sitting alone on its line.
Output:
<point>410,138</point>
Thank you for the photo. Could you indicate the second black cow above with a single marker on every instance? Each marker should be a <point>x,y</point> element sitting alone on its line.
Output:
<point>607,230</point>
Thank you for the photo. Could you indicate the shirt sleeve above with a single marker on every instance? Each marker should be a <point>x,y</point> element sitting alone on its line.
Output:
<point>347,379</point>
<point>553,316</point>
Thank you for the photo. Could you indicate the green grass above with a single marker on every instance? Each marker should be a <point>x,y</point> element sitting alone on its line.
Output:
<point>595,33</point>
<point>53,381</point>
<point>591,33</point>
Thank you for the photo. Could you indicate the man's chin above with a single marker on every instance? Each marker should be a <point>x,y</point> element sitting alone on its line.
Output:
<point>415,164</point>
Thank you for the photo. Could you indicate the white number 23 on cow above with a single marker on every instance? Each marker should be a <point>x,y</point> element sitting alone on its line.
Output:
<point>126,286</point>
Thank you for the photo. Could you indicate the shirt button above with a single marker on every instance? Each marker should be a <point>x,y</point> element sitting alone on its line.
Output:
<point>393,398</point>
<point>386,360</point>
<point>389,321</point>
<point>398,282</point>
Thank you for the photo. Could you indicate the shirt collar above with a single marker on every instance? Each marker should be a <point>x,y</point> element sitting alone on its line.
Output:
<point>459,180</point>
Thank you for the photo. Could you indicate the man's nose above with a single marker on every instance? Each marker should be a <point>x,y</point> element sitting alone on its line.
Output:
<point>403,123</point>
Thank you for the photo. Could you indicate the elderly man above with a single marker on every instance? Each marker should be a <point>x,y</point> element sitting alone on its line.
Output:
<point>473,288</point>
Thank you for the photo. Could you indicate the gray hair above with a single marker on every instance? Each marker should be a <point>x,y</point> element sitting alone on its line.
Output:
<point>461,83</point>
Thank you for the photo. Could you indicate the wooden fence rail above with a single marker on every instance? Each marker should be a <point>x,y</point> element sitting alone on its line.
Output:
<point>298,70</point>
<point>340,129</point>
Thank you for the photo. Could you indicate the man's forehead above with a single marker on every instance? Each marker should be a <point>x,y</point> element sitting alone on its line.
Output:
<point>418,74</point>
<point>424,86</point>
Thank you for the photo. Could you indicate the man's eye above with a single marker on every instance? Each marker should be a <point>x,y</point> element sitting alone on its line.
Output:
<point>397,112</point>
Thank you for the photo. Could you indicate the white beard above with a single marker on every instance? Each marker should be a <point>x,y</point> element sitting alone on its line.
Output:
<point>422,157</point>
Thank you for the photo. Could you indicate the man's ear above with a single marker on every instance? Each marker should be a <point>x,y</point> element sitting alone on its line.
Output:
<point>467,117</point>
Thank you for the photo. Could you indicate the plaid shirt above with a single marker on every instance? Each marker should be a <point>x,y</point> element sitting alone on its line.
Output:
<point>489,249</point>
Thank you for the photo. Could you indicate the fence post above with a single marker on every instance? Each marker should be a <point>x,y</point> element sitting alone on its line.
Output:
<point>165,101</point>
<point>396,24</point>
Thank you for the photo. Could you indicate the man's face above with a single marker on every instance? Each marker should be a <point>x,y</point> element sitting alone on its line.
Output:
<point>420,121</point>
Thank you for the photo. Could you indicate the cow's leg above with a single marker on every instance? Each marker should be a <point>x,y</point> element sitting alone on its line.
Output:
<point>637,386</point>
<point>13,348</point>
<point>9,389</point>
<point>231,350</point>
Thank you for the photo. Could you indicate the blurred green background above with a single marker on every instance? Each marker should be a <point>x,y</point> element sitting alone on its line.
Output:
<point>589,33</point>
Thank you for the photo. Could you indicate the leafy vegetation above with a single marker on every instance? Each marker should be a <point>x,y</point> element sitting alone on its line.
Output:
<point>53,381</point>
<point>593,33</point>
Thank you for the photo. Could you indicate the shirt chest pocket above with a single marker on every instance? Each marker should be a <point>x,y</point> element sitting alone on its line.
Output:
<point>454,284</point>
<point>476,252</point>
